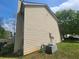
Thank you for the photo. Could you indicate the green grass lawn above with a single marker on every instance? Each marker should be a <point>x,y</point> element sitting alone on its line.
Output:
<point>66,50</point>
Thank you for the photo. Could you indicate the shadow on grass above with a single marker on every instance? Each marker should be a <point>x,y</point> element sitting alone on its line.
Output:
<point>11,55</point>
<point>71,40</point>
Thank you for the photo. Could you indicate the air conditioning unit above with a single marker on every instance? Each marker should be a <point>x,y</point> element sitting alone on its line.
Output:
<point>50,48</point>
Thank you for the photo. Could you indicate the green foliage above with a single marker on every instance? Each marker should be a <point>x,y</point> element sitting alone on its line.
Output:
<point>2,32</point>
<point>42,49</point>
<point>68,21</point>
<point>7,50</point>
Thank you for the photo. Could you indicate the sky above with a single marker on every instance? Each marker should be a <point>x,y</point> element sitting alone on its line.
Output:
<point>8,9</point>
<point>68,4</point>
<point>8,12</point>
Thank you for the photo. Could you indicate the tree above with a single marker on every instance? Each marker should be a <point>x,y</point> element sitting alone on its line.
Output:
<point>2,30</point>
<point>68,21</point>
<point>1,21</point>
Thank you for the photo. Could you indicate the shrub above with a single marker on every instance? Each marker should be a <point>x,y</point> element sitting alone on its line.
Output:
<point>7,50</point>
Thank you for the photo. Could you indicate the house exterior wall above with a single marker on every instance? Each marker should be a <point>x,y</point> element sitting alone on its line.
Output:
<point>19,6</point>
<point>18,45</point>
<point>38,23</point>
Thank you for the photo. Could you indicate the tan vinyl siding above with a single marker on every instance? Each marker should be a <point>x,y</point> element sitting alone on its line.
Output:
<point>19,33</point>
<point>38,22</point>
<point>19,6</point>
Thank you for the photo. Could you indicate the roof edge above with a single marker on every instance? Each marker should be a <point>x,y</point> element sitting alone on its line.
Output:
<point>32,3</point>
<point>41,4</point>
